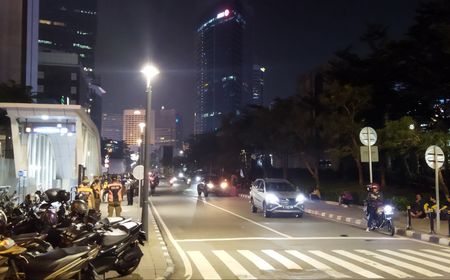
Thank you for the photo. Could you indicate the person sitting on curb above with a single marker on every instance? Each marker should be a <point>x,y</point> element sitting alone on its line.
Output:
<point>417,208</point>
<point>315,194</point>
<point>346,199</point>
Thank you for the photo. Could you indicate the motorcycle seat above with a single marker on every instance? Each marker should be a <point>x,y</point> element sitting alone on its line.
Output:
<point>55,259</point>
<point>113,237</point>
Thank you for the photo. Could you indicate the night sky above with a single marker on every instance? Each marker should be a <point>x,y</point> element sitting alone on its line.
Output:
<point>288,37</point>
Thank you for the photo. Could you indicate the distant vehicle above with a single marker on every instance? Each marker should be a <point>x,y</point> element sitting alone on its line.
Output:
<point>276,196</point>
<point>213,184</point>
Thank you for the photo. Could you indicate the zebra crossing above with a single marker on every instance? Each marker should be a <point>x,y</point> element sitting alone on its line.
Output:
<point>314,264</point>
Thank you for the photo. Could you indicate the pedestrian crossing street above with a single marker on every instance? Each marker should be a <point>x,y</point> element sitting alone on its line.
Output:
<point>320,264</point>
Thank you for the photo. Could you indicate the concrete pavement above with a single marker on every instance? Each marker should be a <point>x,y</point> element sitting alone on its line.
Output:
<point>219,238</point>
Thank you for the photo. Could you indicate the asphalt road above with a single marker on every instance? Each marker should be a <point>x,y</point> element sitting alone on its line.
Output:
<point>219,238</point>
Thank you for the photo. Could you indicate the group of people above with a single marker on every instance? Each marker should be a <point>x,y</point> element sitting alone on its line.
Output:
<point>421,209</point>
<point>113,191</point>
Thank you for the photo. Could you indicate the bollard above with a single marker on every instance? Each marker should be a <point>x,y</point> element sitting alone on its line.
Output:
<point>431,217</point>
<point>408,217</point>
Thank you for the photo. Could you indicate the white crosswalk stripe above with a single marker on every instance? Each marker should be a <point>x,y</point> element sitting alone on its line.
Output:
<point>415,268</point>
<point>233,265</point>
<point>427,256</point>
<point>282,259</point>
<point>316,264</point>
<point>347,265</point>
<point>418,260</point>
<point>206,269</point>
<point>259,262</point>
<point>447,255</point>
<point>395,272</point>
<point>376,264</point>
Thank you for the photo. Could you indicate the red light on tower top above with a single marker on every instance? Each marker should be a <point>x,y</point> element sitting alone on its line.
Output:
<point>226,12</point>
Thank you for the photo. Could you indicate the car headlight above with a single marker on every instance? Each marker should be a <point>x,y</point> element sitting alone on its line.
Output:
<point>210,185</point>
<point>224,185</point>
<point>272,199</point>
<point>197,178</point>
<point>180,175</point>
<point>173,180</point>
<point>300,198</point>
<point>388,210</point>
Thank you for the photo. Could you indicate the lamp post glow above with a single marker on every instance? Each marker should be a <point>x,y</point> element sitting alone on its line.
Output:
<point>149,72</point>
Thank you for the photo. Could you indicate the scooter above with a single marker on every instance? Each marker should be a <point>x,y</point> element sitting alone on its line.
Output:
<point>383,219</point>
<point>60,263</point>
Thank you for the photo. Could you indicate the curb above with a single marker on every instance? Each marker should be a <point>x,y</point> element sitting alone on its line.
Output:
<point>169,262</point>
<point>360,223</point>
<point>398,231</point>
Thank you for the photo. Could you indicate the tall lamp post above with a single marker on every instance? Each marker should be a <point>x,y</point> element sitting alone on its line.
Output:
<point>150,72</point>
<point>141,161</point>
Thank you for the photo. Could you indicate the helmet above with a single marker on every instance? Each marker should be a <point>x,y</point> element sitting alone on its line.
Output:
<point>79,207</point>
<point>85,180</point>
<point>52,195</point>
<point>3,221</point>
<point>63,196</point>
<point>49,217</point>
<point>372,187</point>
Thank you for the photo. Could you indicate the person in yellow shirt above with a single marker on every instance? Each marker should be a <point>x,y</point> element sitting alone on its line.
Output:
<point>431,207</point>
<point>85,192</point>
<point>97,188</point>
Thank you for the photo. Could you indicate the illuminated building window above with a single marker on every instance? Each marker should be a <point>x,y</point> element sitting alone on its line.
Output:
<point>73,90</point>
<point>82,55</point>
<point>40,88</point>
<point>45,42</point>
<point>81,46</point>
<point>57,23</point>
<point>73,76</point>
<point>44,21</point>
<point>41,75</point>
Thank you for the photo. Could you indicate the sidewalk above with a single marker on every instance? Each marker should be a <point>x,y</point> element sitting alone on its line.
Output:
<point>155,263</point>
<point>354,215</point>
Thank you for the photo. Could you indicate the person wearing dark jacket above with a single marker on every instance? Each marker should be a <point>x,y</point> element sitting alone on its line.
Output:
<point>374,200</point>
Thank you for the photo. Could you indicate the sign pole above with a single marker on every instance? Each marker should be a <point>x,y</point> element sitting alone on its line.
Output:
<point>436,178</point>
<point>370,156</point>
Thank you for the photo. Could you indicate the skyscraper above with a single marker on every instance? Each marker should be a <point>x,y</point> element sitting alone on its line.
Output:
<point>257,97</point>
<point>112,126</point>
<point>131,130</point>
<point>219,53</point>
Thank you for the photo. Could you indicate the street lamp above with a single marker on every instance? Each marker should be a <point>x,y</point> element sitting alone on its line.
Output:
<point>149,72</point>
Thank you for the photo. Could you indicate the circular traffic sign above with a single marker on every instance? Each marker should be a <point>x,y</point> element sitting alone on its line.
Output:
<point>434,156</point>
<point>138,172</point>
<point>368,136</point>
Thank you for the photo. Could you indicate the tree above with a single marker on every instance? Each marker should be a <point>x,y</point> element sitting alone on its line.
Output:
<point>342,120</point>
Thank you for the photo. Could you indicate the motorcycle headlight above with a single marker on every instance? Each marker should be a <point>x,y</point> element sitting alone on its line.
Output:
<point>300,198</point>
<point>224,185</point>
<point>173,180</point>
<point>272,199</point>
<point>210,185</point>
<point>388,210</point>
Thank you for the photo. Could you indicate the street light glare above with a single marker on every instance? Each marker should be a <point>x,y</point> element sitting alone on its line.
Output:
<point>150,72</point>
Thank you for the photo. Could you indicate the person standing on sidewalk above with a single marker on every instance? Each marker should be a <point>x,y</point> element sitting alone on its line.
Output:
<point>84,192</point>
<point>97,188</point>
<point>115,195</point>
<point>374,200</point>
<point>130,190</point>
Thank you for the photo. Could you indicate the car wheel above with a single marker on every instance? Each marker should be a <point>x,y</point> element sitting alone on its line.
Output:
<point>266,213</point>
<point>300,215</point>
<point>253,207</point>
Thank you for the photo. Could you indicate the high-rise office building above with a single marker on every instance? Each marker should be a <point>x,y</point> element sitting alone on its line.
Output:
<point>220,54</point>
<point>257,94</point>
<point>112,126</point>
<point>131,131</point>
<point>166,127</point>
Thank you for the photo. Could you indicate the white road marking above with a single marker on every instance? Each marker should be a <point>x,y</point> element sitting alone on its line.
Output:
<point>447,255</point>
<point>395,272</point>
<point>448,250</point>
<point>257,261</point>
<point>290,239</point>
<point>233,265</point>
<point>347,265</point>
<point>282,259</point>
<point>427,256</point>
<point>244,218</point>
<point>206,269</point>
<point>318,265</point>
<point>186,263</point>
<point>418,260</point>
<point>412,267</point>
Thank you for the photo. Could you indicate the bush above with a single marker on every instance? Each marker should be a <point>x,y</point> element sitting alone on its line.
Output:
<point>400,202</point>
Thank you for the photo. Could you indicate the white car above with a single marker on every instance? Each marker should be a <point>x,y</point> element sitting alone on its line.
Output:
<point>276,196</point>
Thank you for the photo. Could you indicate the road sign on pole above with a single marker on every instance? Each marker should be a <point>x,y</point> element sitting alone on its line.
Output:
<point>364,153</point>
<point>138,172</point>
<point>435,157</point>
<point>368,137</point>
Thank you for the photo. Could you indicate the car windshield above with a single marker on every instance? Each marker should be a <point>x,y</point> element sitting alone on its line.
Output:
<point>212,178</point>
<point>280,187</point>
